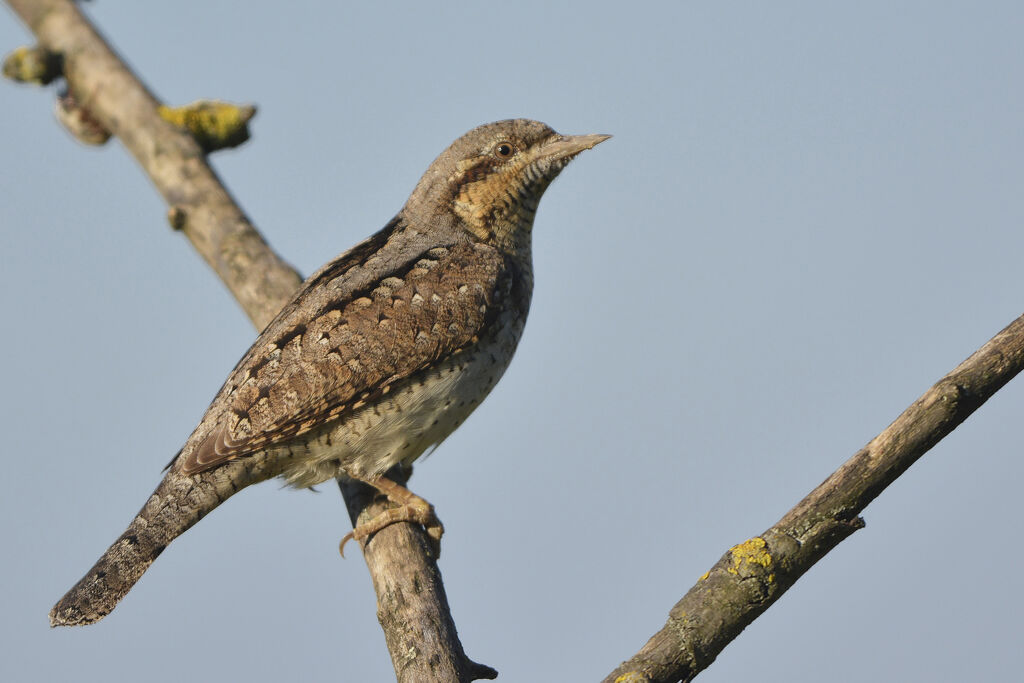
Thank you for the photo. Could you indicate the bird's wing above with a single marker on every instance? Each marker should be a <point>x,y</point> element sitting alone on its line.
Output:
<point>346,339</point>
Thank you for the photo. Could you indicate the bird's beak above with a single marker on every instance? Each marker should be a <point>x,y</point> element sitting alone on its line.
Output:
<point>568,146</point>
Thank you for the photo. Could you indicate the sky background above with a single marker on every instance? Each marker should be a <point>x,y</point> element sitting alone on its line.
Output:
<point>810,212</point>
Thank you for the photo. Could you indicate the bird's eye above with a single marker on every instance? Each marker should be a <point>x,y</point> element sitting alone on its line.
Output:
<point>503,150</point>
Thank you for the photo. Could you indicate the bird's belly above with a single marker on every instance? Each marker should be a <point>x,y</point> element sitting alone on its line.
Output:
<point>401,425</point>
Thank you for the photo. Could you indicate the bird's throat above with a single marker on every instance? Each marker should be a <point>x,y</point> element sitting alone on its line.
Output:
<point>499,213</point>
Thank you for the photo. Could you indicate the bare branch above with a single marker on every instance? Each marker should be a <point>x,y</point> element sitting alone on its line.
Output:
<point>412,606</point>
<point>411,603</point>
<point>754,574</point>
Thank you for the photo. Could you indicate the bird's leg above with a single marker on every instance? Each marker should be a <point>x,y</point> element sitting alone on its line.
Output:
<point>411,508</point>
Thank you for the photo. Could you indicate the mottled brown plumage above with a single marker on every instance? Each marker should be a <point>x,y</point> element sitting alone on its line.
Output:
<point>380,355</point>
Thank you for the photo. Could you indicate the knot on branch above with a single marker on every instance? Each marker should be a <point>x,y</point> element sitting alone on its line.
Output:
<point>214,124</point>
<point>177,217</point>
<point>480,672</point>
<point>33,65</point>
<point>79,121</point>
<point>752,559</point>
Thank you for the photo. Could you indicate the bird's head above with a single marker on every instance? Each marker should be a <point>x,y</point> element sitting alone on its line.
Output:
<point>492,178</point>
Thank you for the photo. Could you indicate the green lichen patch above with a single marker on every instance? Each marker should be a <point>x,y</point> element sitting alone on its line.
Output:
<point>33,65</point>
<point>214,124</point>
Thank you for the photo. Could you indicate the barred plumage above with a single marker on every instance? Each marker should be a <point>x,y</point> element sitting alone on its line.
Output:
<point>380,355</point>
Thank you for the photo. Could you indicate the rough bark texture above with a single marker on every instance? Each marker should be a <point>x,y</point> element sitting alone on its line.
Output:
<point>754,574</point>
<point>412,605</point>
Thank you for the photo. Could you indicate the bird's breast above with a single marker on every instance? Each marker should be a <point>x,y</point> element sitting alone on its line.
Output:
<point>412,416</point>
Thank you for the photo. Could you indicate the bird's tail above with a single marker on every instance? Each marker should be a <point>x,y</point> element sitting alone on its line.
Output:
<point>178,502</point>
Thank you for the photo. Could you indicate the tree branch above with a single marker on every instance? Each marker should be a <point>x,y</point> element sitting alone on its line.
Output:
<point>411,603</point>
<point>412,606</point>
<point>754,574</point>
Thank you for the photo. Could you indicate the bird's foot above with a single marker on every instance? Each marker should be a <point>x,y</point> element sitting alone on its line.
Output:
<point>411,508</point>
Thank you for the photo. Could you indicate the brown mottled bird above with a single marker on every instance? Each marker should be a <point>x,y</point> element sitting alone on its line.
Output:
<point>381,354</point>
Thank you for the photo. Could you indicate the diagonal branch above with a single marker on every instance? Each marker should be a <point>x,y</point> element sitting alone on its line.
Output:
<point>202,208</point>
<point>754,574</point>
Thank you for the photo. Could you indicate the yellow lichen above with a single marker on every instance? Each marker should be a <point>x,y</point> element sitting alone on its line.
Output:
<point>214,125</point>
<point>704,576</point>
<point>632,677</point>
<point>32,65</point>
<point>750,555</point>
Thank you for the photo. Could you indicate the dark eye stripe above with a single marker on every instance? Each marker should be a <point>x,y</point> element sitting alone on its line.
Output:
<point>477,173</point>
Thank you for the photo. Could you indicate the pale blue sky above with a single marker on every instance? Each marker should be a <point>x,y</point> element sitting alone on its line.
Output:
<point>809,212</point>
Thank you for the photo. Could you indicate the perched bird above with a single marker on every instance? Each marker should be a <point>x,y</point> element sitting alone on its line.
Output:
<point>380,355</point>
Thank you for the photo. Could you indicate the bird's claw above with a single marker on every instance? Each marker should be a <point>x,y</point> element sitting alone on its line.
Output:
<point>411,512</point>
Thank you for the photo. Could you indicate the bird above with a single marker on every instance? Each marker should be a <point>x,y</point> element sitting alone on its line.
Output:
<point>377,358</point>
